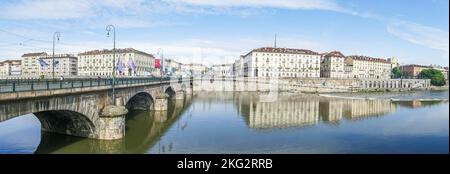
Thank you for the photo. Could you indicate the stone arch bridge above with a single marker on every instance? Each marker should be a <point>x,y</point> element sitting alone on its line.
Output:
<point>89,110</point>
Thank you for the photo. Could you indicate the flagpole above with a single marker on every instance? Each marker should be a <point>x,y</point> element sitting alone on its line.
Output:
<point>108,29</point>
<point>160,52</point>
<point>57,35</point>
<point>275,41</point>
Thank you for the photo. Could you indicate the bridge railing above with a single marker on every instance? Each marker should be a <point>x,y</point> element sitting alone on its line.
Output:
<point>20,85</point>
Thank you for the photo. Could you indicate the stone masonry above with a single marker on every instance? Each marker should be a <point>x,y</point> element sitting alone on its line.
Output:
<point>89,112</point>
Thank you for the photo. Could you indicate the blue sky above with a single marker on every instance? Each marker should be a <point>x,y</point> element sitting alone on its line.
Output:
<point>218,31</point>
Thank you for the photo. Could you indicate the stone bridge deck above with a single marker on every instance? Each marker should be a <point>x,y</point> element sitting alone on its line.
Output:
<point>89,110</point>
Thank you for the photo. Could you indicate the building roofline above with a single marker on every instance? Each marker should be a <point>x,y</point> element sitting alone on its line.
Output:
<point>11,61</point>
<point>282,50</point>
<point>367,58</point>
<point>416,65</point>
<point>34,54</point>
<point>110,51</point>
<point>333,54</point>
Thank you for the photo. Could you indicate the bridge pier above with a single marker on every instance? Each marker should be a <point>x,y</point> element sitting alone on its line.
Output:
<point>111,123</point>
<point>189,91</point>
<point>179,95</point>
<point>161,102</point>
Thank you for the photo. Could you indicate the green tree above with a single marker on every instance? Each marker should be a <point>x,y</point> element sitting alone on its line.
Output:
<point>436,76</point>
<point>396,73</point>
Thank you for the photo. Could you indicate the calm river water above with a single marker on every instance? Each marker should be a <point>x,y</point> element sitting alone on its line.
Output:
<point>245,122</point>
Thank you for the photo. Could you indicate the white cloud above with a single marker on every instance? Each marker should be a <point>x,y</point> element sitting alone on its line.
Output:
<point>120,4</point>
<point>67,9</point>
<point>82,9</point>
<point>245,8</point>
<point>421,35</point>
<point>285,4</point>
<point>46,9</point>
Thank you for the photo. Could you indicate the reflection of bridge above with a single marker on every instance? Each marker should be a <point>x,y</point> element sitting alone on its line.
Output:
<point>87,110</point>
<point>307,110</point>
<point>420,103</point>
<point>143,131</point>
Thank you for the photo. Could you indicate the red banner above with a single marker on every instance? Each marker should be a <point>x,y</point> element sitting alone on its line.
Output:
<point>157,63</point>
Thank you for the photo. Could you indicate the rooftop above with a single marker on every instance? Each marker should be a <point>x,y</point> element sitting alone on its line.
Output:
<point>60,56</point>
<point>12,61</point>
<point>415,65</point>
<point>120,50</point>
<point>366,58</point>
<point>223,65</point>
<point>34,54</point>
<point>171,60</point>
<point>194,64</point>
<point>283,50</point>
<point>334,54</point>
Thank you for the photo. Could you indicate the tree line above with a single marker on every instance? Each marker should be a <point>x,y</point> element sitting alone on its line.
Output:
<point>437,77</point>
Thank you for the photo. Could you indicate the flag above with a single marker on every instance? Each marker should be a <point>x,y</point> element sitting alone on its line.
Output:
<point>157,63</point>
<point>120,66</point>
<point>44,65</point>
<point>131,64</point>
<point>123,66</point>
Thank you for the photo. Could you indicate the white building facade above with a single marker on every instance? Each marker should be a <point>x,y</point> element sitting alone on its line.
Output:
<point>172,67</point>
<point>238,67</point>
<point>41,64</point>
<point>129,62</point>
<point>11,68</point>
<point>281,63</point>
<point>332,65</point>
<point>222,70</point>
<point>368,67</point>
<point>30,64</point>
<point>394,62</point>
<point>194,69</point>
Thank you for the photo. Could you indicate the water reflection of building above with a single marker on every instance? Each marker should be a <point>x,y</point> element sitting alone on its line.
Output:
<point>283,114</point>
<point>331,110</point>
<point>419,103</point>
<point>368,108</point>
<point>307,110</point>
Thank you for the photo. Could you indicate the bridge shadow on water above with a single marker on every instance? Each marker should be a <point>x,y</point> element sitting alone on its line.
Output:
<point>143,131</point>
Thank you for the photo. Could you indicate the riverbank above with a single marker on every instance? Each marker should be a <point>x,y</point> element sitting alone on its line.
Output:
<point>311,85</point>
<point>424,95</point>
<point>439,88</point>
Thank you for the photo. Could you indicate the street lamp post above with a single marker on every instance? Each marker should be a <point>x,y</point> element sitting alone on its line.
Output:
<point>160,53</point>
<point>110,28</point>
<point>55,35</point>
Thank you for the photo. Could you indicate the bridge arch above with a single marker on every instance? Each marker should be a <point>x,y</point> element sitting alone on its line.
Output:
<point>183,87</point>
<point>170,91</point>
<point>141,101</point>
<point>65,122</point>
